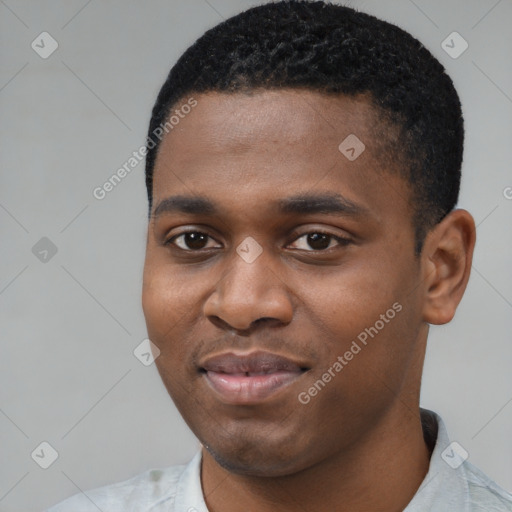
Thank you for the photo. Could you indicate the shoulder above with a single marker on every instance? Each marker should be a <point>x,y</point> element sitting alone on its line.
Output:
<point>484,494</point>
<point>145,489</point>
<point>452,482</point>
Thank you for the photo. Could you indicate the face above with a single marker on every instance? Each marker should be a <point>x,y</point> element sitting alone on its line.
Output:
<point>280,282</point>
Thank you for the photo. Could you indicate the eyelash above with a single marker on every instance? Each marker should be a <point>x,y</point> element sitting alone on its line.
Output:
<point>342,241</point>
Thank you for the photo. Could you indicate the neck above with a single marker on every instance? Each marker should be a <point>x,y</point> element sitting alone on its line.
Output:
<point>383,472</point>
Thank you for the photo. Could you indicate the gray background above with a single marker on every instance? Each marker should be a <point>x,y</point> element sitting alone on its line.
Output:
<point>69,325</point>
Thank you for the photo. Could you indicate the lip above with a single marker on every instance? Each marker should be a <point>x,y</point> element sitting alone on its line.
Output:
<point>244,379</point>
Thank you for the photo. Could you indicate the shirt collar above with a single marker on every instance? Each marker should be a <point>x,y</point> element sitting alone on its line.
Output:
<point>444,488</point>
<point>189,495</point>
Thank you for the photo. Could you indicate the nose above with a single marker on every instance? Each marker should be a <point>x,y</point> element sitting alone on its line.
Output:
<point>248,293</point>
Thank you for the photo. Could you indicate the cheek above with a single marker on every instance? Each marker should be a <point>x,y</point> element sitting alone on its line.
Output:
<point>168,288</point>
<point>365,317</point>
<point>167,314</point>
<point>172,305</point>
<point>164,302</point>
<point>347,302</point>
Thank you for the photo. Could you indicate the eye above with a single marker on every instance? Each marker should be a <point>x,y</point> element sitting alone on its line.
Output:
<point>191,241</point>
<point>319,241</point>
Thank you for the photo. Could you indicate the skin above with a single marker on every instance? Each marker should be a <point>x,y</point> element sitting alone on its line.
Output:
<point>358,444</point>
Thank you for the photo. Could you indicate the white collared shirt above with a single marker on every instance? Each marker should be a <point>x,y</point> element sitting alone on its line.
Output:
<point>452,484</point>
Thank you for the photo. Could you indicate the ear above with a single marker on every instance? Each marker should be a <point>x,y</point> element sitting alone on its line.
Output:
<point>446,264</point>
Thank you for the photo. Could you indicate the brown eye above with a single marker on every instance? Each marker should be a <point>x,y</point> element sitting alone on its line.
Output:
<point>318,241</point>
<point>190,241</point>
<point>195,240</point>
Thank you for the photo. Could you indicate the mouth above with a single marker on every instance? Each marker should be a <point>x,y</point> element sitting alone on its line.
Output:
<point>244,379</point>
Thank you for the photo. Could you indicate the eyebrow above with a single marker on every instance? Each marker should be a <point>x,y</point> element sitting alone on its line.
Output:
<point>303,204</point>
<point>194,205</point>
<point>329,203</point>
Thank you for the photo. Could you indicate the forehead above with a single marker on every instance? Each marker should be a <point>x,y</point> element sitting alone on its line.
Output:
<point>264,118</point>
<point>269,142</point>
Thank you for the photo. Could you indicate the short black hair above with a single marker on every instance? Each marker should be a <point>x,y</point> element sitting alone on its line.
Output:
<point>329,48</point>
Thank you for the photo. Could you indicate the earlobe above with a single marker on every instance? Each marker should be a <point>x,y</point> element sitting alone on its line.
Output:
<point>446,262</point>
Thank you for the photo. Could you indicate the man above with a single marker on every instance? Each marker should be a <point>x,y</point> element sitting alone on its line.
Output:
<point>303,169</point>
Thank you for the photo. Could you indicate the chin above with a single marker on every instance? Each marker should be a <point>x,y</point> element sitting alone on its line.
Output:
<point>261,457</point>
